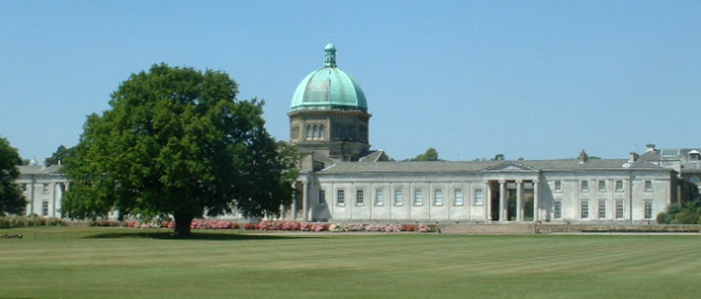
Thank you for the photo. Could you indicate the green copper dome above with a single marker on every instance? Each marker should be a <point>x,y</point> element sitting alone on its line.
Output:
<point>329,88</point>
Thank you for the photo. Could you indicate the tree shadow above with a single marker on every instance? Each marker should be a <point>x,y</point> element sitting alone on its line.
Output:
<point>194,236</point>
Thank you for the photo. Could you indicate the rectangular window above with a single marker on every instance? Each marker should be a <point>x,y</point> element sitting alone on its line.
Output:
<point>379,197</point>
<point>479,197</point>
<point>558,186</point>
<point>359,197</point>
<point>45,188</point>
<point>584,186</point>
<point>619,209</point>
<point>602,209</point>
<point>557,213</point>
<point>459,198</point>
<point>418,197</point>
<point>602,186</point>
<point>648,186</point>
<point>619,186</point>
<point>584,209</point>
<point>438,197</point>
<point>648,209</point>
<point>44,208</point>
<point>398,197</point>
<point>322,197</point>
<point>340,197</point>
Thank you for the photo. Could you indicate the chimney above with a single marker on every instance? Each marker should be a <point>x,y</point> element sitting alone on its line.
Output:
<point>633,157</point>
<point>650,147</point>
<point>583,157</point>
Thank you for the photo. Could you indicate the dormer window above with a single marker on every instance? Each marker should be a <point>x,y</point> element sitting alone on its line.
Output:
<point>694,155</point>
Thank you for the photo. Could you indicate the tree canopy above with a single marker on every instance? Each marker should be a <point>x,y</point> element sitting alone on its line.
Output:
<point>58,156</point>
<point>431,154</point>
<point>176,142</point>
<point>11,199</point>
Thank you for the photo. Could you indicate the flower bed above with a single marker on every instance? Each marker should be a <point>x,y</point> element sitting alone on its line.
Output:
<point>273,225</point>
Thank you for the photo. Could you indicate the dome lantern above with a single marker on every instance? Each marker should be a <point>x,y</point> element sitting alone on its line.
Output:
<point>330,60</point>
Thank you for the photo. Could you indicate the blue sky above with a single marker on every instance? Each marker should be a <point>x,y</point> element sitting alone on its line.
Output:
<point>531,79</point>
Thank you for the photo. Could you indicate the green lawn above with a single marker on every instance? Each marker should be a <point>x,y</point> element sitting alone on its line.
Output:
<point>130,263</point>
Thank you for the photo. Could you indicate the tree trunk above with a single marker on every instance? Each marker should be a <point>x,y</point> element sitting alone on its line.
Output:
<point>182,226</point>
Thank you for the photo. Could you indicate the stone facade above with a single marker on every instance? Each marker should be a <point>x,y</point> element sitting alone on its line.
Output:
<point>43,187</point>
<point>558,191</point>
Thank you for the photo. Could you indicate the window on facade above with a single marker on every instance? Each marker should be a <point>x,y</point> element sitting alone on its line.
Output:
<point>619,209</point>
<point>584,209</point>
<point>648,209</point>
<point>359,197</point>
<point>315,132</point>
<point>602,209</point>
<point>438,197</point>
<point>557,211</point>
<point>23,187</point>
<point>459,198</point>
<point>602,186</point>
<point>619,186</point>
<point>322,197</point>
<point>379,197</point>
<point>340,197</point>
<point>398,197</point>
<point>479,197</point>
<point>558,186</point>
<point>648,186</point>
<point>44,208</point>
<point>584,186</point>
<point>322,132</point>
<point>418,197</point>
<point>309,132</point>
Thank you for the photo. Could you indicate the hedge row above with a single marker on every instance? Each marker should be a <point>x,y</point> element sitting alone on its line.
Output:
<point>20,221</point>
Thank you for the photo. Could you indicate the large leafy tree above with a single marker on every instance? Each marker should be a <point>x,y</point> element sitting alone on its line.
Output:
<point>11,199</point>
<point>176,142</point>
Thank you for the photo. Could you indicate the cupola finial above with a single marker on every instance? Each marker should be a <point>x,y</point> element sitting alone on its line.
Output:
<point>330,59</point>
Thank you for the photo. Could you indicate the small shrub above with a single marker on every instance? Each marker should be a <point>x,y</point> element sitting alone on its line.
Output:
<point>663,218</point>
<point>320,227</point>
<point>423,228</point>
<point>408,227</point>
<point>290,225</point>
<point>375,227</point>
<point>393,228</point>
<point>687,217</point>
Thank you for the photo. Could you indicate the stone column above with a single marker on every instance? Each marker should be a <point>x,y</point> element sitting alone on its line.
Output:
<point>52,209</point>
<point>305,200</point>
<point>536,208</point>
<point>294,201</point>
<point>487,198</point>
<point>519,200</point>
<point>502,201</point>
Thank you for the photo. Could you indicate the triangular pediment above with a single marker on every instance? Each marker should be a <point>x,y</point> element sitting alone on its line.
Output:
<point>510,167</point>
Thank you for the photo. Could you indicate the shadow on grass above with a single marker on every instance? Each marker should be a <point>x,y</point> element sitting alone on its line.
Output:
<point>193,236</point>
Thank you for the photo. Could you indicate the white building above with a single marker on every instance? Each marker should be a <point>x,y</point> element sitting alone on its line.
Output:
<point>43,187</point>
<point>343,180</point>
